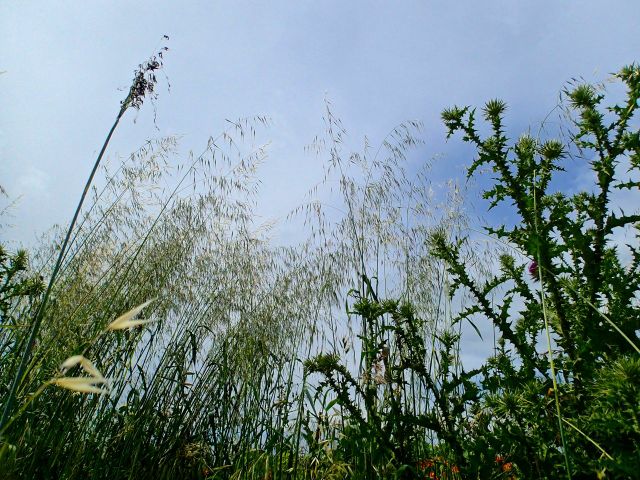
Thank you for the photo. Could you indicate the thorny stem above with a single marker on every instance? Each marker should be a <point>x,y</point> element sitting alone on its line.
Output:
<point>548,333</point>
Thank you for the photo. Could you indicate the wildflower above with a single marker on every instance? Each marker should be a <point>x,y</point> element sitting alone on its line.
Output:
<point>455,469</point>
<point>533,270</point>
<point>507,467</point>
<point>499,459</point>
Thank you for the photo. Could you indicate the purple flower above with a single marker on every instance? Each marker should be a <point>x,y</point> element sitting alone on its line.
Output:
<point>533,270</point>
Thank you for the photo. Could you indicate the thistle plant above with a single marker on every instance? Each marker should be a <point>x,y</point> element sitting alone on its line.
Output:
<point>385,434</point>
<point>591,306</point>
<point>18,286</point>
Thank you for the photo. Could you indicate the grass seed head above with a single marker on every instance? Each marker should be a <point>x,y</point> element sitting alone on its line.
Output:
<point>81,384</point>
<point>85,363</point>
<point>127,319</point>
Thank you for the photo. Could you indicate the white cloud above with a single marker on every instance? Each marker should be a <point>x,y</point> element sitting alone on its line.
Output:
<point>32,184</point>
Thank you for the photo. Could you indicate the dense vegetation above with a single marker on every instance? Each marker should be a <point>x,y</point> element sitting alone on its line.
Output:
<point>247,364</point>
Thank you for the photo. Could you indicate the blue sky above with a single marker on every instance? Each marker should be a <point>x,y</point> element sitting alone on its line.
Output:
<point>66,64</point>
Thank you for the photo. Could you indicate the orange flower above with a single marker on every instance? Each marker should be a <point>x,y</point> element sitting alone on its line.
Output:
<point>507,467</point>
<point>455,469</point>
<point>424,464</point>
<point>499,459</point>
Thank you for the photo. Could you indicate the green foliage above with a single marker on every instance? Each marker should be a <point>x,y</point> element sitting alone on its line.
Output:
<point>591,294</point>
<point>20,290</point>
<point>16,285</point>
<point>385,434</point>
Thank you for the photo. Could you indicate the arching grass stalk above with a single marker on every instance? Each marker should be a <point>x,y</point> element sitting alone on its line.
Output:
<point>548,334</point>
<point>143,84</point>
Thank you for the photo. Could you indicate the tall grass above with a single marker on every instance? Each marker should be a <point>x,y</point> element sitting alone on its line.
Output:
<point>217,384</point>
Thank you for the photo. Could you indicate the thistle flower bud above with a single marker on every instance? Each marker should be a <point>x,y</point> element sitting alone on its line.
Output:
<point>533,270</point>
